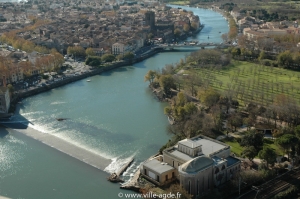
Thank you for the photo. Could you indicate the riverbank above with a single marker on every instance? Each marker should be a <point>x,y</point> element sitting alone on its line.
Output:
<point>84,155</point>
<point>96,71</point>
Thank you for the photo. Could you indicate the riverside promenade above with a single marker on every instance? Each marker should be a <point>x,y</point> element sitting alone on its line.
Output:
<point>84,155</point>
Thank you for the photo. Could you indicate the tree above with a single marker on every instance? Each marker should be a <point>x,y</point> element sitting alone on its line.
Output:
<point>186,28</point>
<point>150,35</point>
<point>93,61</point>
<point>253,138</point>
<point>76,51</point>
<point>287,141</point>
<point>194,26</point>
<point>57,60</point>
<point>285,59</point>
<point>250,152</point>
<point>10,88</point>
<point>192,80</point>
<point>107,58</point>
<point>268,154</point>
<point>128,56</point>
<point>177,32</point>
<point>150,76</point>
<point>224,37</point>
<point>167,83</point>
<point>235,120</point>
<point>176,188</point>
<point>209,97</point>
<point>262,55</point>
<point>90,52</point>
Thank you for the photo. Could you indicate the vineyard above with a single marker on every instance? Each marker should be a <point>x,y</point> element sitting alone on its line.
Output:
<point>250,82</point>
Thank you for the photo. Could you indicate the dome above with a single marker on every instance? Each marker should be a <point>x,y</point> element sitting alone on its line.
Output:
<point>197,164</point>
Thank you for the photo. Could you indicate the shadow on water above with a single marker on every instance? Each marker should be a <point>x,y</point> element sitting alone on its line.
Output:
<point>17,121</point>
<point>121,69</point>
<point>207,29</point>
<point>3,131</point>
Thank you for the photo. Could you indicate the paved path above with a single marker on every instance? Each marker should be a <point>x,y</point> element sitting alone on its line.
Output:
<point>77,152</point>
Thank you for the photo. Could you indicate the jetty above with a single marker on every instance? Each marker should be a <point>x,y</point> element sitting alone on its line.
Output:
<point>115,177</point>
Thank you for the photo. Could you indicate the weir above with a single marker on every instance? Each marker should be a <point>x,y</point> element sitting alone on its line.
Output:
<point>68,148</point>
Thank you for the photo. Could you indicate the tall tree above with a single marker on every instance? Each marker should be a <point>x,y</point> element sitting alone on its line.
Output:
<point>150,76</point>
<point>253,138</point>
<point>167,83</point>
<point>287,141</point>
<point>268,154</point>
<point>90,52</point>
<point>250,152</point>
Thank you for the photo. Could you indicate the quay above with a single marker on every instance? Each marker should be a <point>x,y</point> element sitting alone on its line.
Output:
<point>57,143</point>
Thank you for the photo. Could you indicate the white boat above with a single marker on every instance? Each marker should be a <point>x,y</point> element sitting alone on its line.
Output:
<point>88,80</point>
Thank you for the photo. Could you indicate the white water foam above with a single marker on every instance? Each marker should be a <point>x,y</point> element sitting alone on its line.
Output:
<point>116,164</point>
<point>58,102</point>
<point>31,113</point>
<point>64,136</point>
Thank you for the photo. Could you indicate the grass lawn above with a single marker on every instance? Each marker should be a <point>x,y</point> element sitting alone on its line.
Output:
<point>234,146</point>
<point>270,143</point>
<point>251,82</point>
<point>237,149</point>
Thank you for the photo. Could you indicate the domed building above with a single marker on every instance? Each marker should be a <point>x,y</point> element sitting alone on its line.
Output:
<point>199,164</point>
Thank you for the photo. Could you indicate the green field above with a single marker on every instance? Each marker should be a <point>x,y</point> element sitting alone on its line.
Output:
<point>250,82</point>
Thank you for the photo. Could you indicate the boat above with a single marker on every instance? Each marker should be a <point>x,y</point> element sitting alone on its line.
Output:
<point>88,80</point>
<point>61,119</point>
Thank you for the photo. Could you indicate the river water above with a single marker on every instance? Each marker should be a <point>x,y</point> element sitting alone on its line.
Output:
<point>114,115</point>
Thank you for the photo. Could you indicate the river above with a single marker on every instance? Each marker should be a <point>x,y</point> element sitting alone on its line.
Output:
<point>114,115</point>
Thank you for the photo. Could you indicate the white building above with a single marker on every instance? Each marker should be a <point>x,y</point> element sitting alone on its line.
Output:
<point>199,163</point>
<point>118,48</point>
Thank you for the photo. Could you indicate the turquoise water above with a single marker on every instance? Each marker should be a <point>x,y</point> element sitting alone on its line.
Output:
<point>114,115</point>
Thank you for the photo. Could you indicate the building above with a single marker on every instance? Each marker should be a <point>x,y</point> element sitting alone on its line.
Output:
<point>150,19</point>
<point>4,100</point>
<point>118,48</point>
<point>199,163</point>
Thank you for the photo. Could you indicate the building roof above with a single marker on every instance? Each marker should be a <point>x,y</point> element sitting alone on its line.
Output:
<point>218,160</point>
<point>158,167</point>
<point>189,143</point>
<point>181,155</point>
<point>208,146</point>
<point>197,164</point>
<point>231,160</point>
